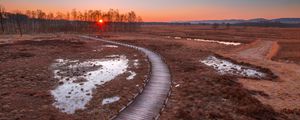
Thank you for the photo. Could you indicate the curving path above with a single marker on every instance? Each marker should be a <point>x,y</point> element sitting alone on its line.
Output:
<point>258,50</point>
<point>149,103</point>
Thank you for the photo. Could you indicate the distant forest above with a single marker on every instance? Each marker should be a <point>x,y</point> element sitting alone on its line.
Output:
<point>38,21</point>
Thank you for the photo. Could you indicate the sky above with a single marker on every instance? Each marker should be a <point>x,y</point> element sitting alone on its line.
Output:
<point>170,10</point>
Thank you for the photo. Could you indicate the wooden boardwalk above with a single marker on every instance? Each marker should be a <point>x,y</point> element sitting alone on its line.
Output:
<point>149,103</point>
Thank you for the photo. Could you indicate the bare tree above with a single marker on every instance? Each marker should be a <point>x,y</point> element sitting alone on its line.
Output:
<point>40,14</point>
<point>74,14</point>
<point>131,17</point>
<point>68,16</point>
<point>59,16</point>
<point>74,21</point>
<point>50,16</point>
<point>19,18</point>
<point>2,13</point>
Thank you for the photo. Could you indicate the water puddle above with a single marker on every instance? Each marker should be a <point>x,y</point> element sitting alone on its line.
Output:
<point>226,67</point>
<point>110,100</point>
<point>211,41</point>
<point>219,42</point>
<point>77,80</point>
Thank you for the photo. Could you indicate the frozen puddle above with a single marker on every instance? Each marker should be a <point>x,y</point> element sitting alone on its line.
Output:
<point>78,79</point>
<point>227,67</point>
<point>220,42</point>
<point>110,46</point>
<point>110,100</point>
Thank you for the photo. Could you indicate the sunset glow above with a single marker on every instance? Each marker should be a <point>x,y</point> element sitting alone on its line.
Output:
<point>170,10</point>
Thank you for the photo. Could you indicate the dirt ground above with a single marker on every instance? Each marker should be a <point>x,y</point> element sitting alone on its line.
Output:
<point>27,78</point>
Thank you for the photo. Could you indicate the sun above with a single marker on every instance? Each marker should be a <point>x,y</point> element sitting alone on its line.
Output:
<point>100,21</point>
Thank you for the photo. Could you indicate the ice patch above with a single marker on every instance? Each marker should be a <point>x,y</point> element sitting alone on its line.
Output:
<point>131,76</point>
<point>136,63</point>
<point>110,100</point>
<point>63,62</point>
<point>220,42</point>
<point>112,56</point>
<point>111,46</point>
<point>226,67</point>
<point>177,38</point>
<point>79,79</point>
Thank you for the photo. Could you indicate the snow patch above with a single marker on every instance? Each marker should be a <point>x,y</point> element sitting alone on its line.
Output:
<point>131,76</point>
<point>226,67</point>
<point>135,63</point>
<point>177,38</point>
<point>78,80</point>
<point>110,100</point>
<point>111,46</point>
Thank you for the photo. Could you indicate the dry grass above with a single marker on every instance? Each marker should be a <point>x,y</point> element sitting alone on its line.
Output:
<point>202,93</point>
<point>27,78</point>
<point>288,38</point>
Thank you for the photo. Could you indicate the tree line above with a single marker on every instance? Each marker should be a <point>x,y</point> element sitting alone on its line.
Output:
<point>38,21</point>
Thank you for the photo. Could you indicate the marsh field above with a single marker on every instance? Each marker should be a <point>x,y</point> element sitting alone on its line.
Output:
<point>236,72</point>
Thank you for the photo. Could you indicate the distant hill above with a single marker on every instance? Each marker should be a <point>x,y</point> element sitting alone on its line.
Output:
<point>287,20</point>
<point>231,21</point>
<point>241,21</point>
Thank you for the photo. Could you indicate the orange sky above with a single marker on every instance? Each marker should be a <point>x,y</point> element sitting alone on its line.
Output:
<point>171,10</point>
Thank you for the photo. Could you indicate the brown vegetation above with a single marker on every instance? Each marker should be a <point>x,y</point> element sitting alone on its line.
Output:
<point>199,92</point>
<point>289,51</point>
<point>193,98</point>
<point>288,38</point>
<point>27,78</point>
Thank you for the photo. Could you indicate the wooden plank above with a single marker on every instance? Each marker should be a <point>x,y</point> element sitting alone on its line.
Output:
<point>149,103</point>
